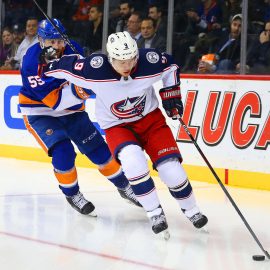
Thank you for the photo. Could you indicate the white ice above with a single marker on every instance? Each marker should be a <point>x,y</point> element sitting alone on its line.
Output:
<point>39,230</point>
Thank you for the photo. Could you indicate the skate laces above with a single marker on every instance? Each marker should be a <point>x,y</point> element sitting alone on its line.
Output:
<point>196,217</point>
<point>79,200</point>
<point>156,220</point>
<point>129,192</point>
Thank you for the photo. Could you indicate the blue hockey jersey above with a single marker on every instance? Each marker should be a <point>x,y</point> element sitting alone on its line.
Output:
<point>46,95</point>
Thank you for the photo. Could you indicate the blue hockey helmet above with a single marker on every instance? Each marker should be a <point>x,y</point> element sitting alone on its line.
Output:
<point>47,31</point>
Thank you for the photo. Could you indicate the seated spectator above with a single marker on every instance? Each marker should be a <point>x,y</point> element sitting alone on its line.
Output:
<point>30,39</point>
<point>150,39</point>
<point>81,13</point>
<point>258,58</point>
<point>79,23</point>
<point>93,37</point>
<point>19,33</point>
<point>125,10</point>
<point>134,25</point>
<point>229,9</point>
<point>226,51</point>
<point>155,12</point>
<point>206,18</point>
<point>8,48</point>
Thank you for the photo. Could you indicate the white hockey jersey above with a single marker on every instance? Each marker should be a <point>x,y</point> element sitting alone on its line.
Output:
<point>118,100</point>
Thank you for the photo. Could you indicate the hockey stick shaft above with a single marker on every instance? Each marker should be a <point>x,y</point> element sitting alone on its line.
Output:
<point>223,187</point>
<point>64,36</point>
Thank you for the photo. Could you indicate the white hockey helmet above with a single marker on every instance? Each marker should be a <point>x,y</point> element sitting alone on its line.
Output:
<point>121,46</point>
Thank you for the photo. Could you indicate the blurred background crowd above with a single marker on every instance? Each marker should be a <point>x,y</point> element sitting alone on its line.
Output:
<point>206,34</point>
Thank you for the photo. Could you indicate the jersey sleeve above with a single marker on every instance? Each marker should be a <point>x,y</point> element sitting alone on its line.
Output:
<point>73,69</point>
<point>171,71</point>
<point>40,91</point>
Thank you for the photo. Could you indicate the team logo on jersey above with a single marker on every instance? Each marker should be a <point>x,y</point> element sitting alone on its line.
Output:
<point>129,107</point>
<point>152,57</point>
<point>96,62</point>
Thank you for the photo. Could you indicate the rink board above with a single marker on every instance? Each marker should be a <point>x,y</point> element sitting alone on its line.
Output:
<point>228,116</point>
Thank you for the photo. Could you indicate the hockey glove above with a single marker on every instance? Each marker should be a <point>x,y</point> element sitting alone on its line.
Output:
<point>172,100</point>
<point>47,54</point>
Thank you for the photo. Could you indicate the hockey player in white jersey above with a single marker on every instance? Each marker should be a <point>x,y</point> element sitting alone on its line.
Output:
<point>127,110</point>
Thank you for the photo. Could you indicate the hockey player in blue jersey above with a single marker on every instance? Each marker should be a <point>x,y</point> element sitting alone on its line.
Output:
<point>127,109</point>
<point>55,117</point>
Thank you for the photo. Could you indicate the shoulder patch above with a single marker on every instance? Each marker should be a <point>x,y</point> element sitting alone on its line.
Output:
<point>152,57</point>
<point>96,62</point>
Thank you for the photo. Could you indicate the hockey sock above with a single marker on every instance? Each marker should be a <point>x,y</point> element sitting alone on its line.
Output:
<point>107,166</point>
<point>63,160</point>
<point>174,176</point>
<point>113,171</point>
<point>135,167</point>
<point>68,181</point>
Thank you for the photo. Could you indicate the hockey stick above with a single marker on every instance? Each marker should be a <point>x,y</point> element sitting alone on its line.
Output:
<point>221,185</point>
<point>64,36</point>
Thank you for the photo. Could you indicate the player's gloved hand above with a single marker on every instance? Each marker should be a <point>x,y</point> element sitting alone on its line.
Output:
<point>172,100</point>
<point>47,54</point>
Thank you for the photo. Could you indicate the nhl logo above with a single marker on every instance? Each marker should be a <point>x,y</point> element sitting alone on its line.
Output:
<point>152,57</point>
<point>96,62</point>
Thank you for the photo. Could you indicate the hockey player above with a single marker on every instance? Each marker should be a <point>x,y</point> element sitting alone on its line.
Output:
<point>127,109</point>
<point>56,117</point>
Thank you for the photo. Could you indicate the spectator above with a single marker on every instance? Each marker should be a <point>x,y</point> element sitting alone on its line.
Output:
<point>126,9</point>
<point>229,9</point>
<point>93,38</point>
<point>134,25</point>
<point>80,19</point>
<point>8,48</point>
<point>150,39</point>
<point>29,40</point>
<point>155,12</point>
<point>81,13</point>
<point>18,33</point>
<point>227,49</point>
<point>204,19</point>
<point>259,55</point>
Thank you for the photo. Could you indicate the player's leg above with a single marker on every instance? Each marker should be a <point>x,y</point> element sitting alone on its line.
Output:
<point>174,176</point>
<point>52,137</point>
<point>125,147</point>
<point>91,143</point>
<point>166,157</point>
<point>136,169</point>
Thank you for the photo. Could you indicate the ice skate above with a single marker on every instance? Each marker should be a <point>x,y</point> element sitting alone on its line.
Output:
<point>79,203</point>
<point>159,223</point>
<point>128,194</point>
<point>197,218</point>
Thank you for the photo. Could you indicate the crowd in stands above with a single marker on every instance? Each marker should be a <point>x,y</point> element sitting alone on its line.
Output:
<point>206,35</point>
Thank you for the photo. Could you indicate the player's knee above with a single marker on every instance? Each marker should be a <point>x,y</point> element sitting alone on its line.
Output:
<point>101,155</point>
<point>171,172</point>
<point>133,161</point>
<point>63,156</point>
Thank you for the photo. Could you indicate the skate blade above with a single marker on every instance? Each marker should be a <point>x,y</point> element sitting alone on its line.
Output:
<point>204,229</point>
<point>93,214</point>
<point>164,235</point>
